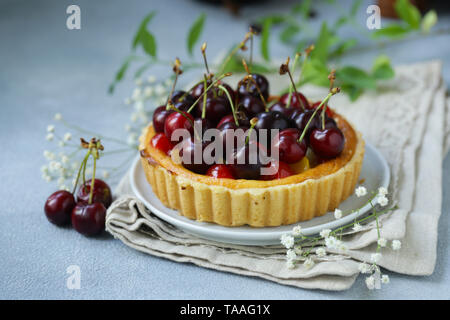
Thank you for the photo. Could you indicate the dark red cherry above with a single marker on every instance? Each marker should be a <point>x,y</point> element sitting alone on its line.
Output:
<point>226,119</point>
<point>89,219</point>
<point>220,171</point>
<point>281,170</point>
<point>191,154</point>
<point>198,89</point>
<point>161,142</point>
<point>302,120</point>
<point>230,91</point>
<point>102,193</point>
<point>178,120</point>
<point>182,96</point>
<point>241,117</point>
<point>59,206</point>
<point>231,137</point>
<point>270,120</point>
<point>290,113</point>
<point>247,86</point>
<point>247,161</point>
<point>328,111</point>
<point>159,117</point>
<point>288,148</point>
<point>297,100</point>
<point>201,125</point>
<point>250,105</point>
<point>293,132</point>
<point>327,143</point>
<point>215,109</point>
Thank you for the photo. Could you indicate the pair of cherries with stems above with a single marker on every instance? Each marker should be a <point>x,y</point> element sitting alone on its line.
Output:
<point>87,214</point>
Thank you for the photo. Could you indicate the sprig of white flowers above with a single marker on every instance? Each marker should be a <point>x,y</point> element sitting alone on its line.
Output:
<point>304,248</point>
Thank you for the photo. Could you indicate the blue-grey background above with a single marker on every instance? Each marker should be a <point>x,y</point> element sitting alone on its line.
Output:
<point>46,68</point>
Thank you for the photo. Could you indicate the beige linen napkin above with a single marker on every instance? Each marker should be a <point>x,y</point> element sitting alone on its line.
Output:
<point>407,119</point>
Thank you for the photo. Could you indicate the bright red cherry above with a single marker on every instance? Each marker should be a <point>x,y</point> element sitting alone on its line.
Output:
<point>297,100</point>
<point>226,119</point>
<point>102,193</point>
<point>178,120</point>
<point>293,132</point>
<point>159,117</point>
<point>89,219</point>
<point>161,142</point>
<point>327,143</point>
<point>289,149</point>
<point>220,171</point>
<point>282,171</point>
<point>59,206</point>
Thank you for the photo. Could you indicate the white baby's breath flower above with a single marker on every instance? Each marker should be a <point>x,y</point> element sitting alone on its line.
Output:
<point>287,241</point>
<point>132,139</point>
<point>148,91</point>
<point>136,93</point>
<point>309,263</point>
<point>297,231</point>
<point>382,201</point>
<point>47,177</point>
<point>58,117</point>
<point>105,174</point>
<point>370,282</point>
<point>337,214</point>
<point>325,233</point>
<point>67,136</point>
<point>364,267</point>
<point>290,264</point>
<point>134,116</point>
<point>54,165</point>
<point>341,246</point>
<point>331,242</point>
<point>385,279</point>
<point>50,137</point>
<point>138,81</point>
<point>360,191</point>
<point>64,159</point>
<point>61,180</point>
<point>382,242</point>
<point>396,244</point>
<point>375,257</point>
<point>49,155</point>
<point>357,227</point>
<point>44,169</point>
<point>298,250</point>
<point>151,79</point>
<point>291,255</point>
<point>50,128</point>
<point>160,90</point>
<point>382,191</point>
<point>61,144</point>
<point>139,105</point>
<point>321,252</point>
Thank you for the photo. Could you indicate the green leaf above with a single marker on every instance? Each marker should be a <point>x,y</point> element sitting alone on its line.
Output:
<point>303,8</point>
<point>195,31</point>
<point>429,20</point>
<point>356,77</point>
<point>355,6</point>
<point>408,13</point>
<point>120,73</point>
<point>142,27</point>
<point>352,91</point>
<point>265,38</point>
<point>382,68</point>
<point>148,43</point>
<point>343,47</point>
<point>315,72</point>
<point>235,65</point>
<point>288,33</point>
<point>340,22</point>
<point>391,31</point>
<point>323,43</point>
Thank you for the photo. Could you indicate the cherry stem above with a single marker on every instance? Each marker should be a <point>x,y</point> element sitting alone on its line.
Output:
<point>91,194</point>
<point>251,49</point>
<point>204,58</point>
<point>233,52</point>
<point>295,90</point>
<point>314,114</point>
<point>231,103</point>
<point>84,169</point>
<point>204,98</point>
<point>253,122</point>
<point>207,89</point>
<point>83,164</point>
<point>297,55</point>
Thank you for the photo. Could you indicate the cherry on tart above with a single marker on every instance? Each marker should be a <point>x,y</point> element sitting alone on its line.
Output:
<point>328,111</point>
<point>247,161</point>
<point>159,118</point>
<point>187,154</point>
<point>290,112</point>
<point>297,100</point>
<point>161,142</point>
<point>289,149</point>
<point>282,170</point>
<point>327,143</point>
<point>215,109</point>
<point>59,206</point>
<point>89,219</point>
<point>178,120</point>
<point>198,89</point>
<point>220,171</point>
<point>101,193</point>
<point>250,105</point>
<point>247,86</point>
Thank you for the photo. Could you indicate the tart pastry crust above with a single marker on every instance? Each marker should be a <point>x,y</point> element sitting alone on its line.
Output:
<point>231,202</point>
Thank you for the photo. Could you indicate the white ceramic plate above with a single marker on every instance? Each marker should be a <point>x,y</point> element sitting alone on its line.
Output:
<point>375,173</point>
